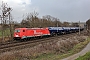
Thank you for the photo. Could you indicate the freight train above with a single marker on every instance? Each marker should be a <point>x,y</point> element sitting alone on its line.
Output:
<point>25,33</point>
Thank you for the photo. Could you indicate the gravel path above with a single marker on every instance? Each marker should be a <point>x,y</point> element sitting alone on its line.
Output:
<point>83,52</point>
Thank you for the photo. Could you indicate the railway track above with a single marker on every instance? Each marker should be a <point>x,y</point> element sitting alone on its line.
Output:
<point>20,45</point>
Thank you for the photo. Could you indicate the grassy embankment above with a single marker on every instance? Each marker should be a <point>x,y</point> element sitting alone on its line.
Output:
<point>85,57</point>
<point>54,50</point>
<point>75,49</point>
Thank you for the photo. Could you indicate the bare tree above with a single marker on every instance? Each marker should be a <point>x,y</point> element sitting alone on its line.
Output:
<point>66,24</point>
<point>75,24</point>
<point>5,18</point>
<point>32,20</point>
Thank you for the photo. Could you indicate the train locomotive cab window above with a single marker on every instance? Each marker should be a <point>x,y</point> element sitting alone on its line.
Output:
<point>17,30</point>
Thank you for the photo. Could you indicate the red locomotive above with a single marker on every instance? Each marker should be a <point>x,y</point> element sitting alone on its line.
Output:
<point>23,33</point>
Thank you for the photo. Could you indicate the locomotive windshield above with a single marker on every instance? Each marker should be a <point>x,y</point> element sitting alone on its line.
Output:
<point>17,30</point>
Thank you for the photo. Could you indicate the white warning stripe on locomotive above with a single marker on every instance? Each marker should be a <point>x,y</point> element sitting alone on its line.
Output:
<point>37,32</point>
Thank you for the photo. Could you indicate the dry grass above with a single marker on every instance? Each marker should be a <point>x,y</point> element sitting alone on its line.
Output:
<point>56,47</point>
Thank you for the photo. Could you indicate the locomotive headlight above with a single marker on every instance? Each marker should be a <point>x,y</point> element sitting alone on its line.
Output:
<point>17,35</point>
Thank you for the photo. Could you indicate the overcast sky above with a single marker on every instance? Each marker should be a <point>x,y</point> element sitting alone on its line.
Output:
<point>65,10</point>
